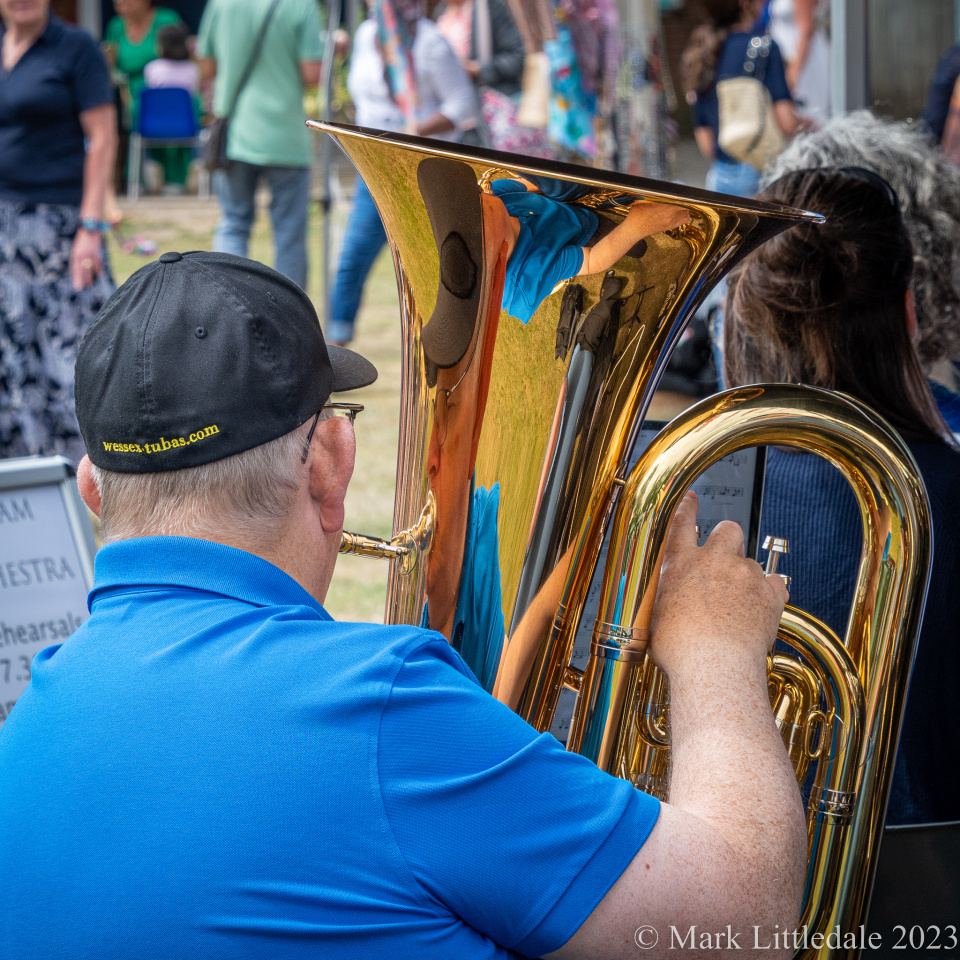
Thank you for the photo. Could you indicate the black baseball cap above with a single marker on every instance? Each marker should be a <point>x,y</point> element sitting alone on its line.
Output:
<point>200,356</point>
<point>452,197</point>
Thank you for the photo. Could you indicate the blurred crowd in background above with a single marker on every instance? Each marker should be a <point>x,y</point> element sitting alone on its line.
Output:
<point>86,119</point>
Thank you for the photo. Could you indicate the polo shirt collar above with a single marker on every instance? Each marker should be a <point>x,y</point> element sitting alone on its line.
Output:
<point>196,565</point>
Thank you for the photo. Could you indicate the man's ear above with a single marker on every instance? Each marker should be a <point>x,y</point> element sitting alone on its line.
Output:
<point>89,492</point>
<point>911,305</point>
<point>332,453</point>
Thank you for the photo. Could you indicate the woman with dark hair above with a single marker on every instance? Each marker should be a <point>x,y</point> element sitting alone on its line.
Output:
<point>831,306</point>
<point>928,186</point>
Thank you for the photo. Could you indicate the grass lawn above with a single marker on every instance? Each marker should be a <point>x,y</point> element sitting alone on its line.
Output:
<point>359,586</point>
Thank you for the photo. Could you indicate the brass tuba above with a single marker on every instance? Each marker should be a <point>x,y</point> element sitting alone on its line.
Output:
<point>521,399</point>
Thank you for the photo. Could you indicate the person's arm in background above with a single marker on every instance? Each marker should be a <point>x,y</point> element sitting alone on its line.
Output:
<point>706,141</point>
<point>730,846</point>
<point>805,16</point>
<point>788,119</point>
<point>205,52</point>
<point>703,131</point>
<point>439,71</point>
<point>784,109</point>
<point>310,72</point>
<point>100,133</point>
<point>311,44</point>
<point>941,90</point>
<point>97,116</point>
<point>506,63</point>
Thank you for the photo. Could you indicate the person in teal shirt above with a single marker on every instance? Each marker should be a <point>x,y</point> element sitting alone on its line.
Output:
<point>267,135</point>
<point>131,43</point>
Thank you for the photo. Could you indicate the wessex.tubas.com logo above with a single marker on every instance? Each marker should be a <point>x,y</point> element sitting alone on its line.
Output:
<point>163,443</point>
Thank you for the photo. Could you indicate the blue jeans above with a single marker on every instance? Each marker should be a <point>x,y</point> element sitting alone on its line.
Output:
<point>289,199</point>
<point>363,240</point>
<point>738,179</point>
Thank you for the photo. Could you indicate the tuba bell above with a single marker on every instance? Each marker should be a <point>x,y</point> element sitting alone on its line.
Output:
<point>522,396</point>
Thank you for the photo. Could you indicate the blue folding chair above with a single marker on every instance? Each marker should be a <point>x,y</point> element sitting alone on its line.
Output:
<point>167,119</point>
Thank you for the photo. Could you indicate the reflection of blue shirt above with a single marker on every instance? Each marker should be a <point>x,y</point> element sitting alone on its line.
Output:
<point>478,620</point>
<point>212,764</point>
<point>548,248</point>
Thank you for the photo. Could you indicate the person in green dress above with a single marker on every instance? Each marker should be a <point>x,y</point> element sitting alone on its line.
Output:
<point>131,40</point>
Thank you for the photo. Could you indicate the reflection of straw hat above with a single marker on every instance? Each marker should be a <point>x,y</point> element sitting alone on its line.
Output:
<point>452,197</point>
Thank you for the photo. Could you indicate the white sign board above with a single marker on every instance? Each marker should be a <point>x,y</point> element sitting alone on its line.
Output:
<point>46,565</point>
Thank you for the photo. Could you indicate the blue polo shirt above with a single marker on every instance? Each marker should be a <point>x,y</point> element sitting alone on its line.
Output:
<point>212,767</point>
<point>41,99</point>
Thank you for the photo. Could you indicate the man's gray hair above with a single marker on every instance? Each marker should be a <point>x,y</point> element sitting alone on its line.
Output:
<point>249,494</point>
<point>929,189</point>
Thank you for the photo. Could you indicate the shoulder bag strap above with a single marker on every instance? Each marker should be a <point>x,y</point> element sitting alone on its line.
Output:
<point>758,53</point>
<point>254,56</point>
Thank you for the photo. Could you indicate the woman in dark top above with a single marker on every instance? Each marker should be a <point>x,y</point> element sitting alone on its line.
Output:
<point>718,51</point>
<point>57,148</point>
<point>831,306</point>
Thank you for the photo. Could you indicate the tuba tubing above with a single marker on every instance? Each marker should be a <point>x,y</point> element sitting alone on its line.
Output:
<point>865,680</point>
<point>547,424</point>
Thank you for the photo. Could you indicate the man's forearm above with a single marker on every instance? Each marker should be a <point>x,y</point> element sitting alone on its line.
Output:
<point>744,787</point>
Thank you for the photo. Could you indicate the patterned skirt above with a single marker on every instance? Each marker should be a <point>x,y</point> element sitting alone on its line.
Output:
<point>41,321</point>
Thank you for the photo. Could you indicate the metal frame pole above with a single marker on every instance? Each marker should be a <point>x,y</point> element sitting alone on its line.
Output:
<point>326,152</point>
<point>849,66</point>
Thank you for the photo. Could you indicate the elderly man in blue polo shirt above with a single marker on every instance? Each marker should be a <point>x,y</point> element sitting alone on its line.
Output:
<point>212,767</point>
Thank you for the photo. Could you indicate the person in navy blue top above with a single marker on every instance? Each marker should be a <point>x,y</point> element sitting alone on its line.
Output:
<point>937,107</point>
<point>831,306</point>
<point>718,52</point>
<point>210,766</point>
<point>57,149</point>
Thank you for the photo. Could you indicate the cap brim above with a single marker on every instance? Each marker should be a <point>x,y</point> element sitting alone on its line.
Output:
<point>350,370</point>
<point>452,197</point>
